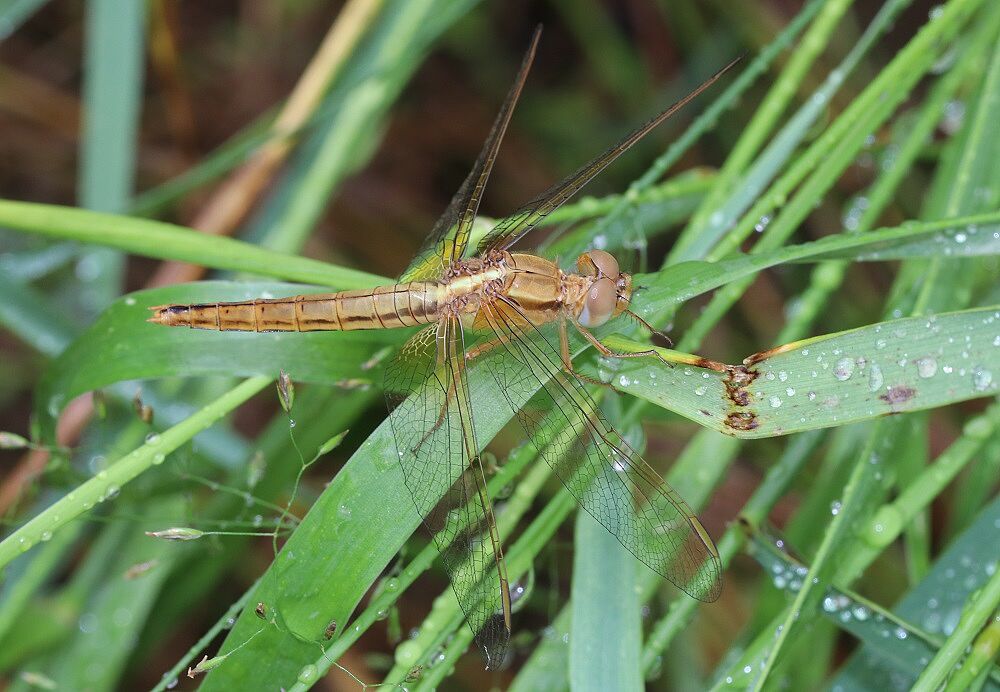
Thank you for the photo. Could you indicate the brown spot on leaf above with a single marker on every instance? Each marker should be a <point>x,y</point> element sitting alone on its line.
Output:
<point>738,378</point>
<point>742,420</point>
<point>898,395</point>
<point>700,362</point>
<point>764,355</point>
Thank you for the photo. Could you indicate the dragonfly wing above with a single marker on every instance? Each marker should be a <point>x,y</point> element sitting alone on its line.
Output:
<point>510,229</point>
<point>609,479</point>
<point>435,438</point>
<point>450,235</point>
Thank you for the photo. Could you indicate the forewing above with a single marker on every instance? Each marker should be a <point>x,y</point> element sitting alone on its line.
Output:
<point>450,236</point>
<point>609,479</point>
<point>435,438</point>
<point>510,229</point>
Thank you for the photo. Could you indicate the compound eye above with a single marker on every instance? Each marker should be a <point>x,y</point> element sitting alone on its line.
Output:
<point>599,305</point>
<point>605,264</point>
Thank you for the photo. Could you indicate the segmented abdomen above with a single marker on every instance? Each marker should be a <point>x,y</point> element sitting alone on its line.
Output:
<point>385,307</point>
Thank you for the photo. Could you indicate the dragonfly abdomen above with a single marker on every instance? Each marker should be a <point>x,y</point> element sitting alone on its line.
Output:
<point>384,307</point>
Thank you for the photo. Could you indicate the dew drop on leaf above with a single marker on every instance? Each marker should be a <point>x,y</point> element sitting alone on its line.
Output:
<point>843,369</point>
<point>926,367</point>
<point>981,379</point>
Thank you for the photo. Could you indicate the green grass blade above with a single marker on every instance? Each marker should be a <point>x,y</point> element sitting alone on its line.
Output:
<point>156,351</point>
<point>116,613</point>
<point>13,13</point>
<point>835,379</point>
<point>94,491</point>
<point>732,194</point>
<point>935,603</point>
<point>112,90</point>
<point>168,241</point>
<point>366,89</point>
<point>24,311</point>
<point>604,637</point>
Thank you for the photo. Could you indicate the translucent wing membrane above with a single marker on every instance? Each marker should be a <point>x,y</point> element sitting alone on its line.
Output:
<point>609,479</point>
<point>510,229</point>
<point>435,437</point>
<point>450,235</point>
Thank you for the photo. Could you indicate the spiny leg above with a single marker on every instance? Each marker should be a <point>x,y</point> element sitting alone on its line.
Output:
<point>608,353</point>
<point>567,360</point>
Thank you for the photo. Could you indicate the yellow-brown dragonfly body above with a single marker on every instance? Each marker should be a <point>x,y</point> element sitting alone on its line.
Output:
<point>542,290</point>
<point>523,305</point>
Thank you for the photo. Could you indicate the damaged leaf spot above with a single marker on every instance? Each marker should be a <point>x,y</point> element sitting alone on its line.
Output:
<point>738,378</point>
<point>742,420</point>
<point>898,395</point>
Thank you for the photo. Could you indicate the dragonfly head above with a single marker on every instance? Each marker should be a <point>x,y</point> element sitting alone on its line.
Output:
<point>609,291</point>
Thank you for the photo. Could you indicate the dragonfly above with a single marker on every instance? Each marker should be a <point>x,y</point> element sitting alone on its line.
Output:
<point>512,312</point>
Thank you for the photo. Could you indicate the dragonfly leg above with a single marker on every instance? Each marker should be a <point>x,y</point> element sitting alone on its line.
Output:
<point>567,361</point>
<point>650,328</point>
<point>607,352</point>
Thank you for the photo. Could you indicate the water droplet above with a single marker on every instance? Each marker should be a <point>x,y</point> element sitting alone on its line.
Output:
<point>700,391</point>
<point>880,343</point>
<point>46,536</point>
<point>344,511</point>
<point>835,507</point>
<point>774,401</point>
<point>843,369</point>
<point>926,366</point>
<point>24,544</point>
<point>88,623</point>
<point>158,458</point>
<point>152,439</point>
<point>875,378</point>
<point>981,379</point>
<point>97,464</point>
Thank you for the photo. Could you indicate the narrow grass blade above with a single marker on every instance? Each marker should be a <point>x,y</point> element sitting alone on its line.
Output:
<point>935,604</point>
<point>112,90</point>
<point>107,483</point>
<point>604,637</point>
<point>168,241</point>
